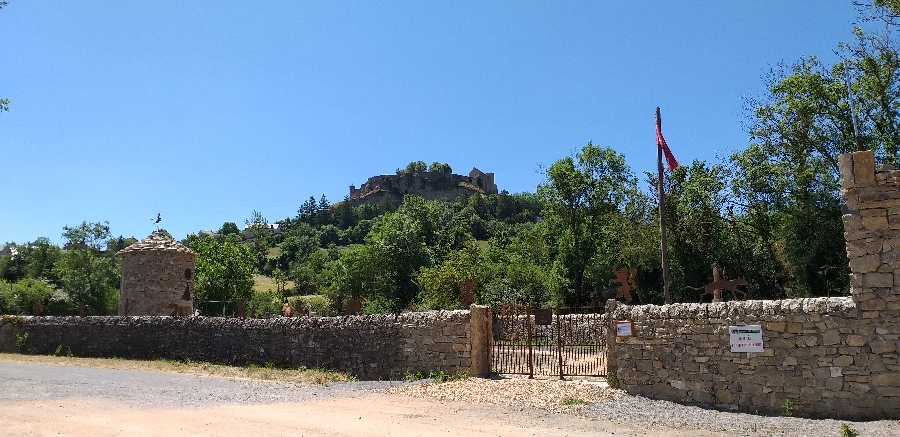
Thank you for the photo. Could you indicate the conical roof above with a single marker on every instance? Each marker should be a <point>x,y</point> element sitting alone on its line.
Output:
<point>157,241</point>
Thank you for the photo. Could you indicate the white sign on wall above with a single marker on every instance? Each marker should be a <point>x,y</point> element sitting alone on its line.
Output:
<point>747,338</point>
<point>625,328</point>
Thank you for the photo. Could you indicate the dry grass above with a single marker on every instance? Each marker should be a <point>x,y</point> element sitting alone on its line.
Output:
<point>265,283</point>
<point>553,395</point>
<point>260,373</point>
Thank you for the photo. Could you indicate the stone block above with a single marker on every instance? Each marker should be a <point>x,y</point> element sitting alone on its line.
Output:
<point>886,379</point>
<point>834,384</point>
<point>775,326</point>
<point>873,280</point>
<point>883,347</point>
<point>876,222</point>
<point>865,264</point>
<point>855,340</point>
<point>845,168</point>
<point>888,391</point>
<point>863,167</point>
<point>872,305</point>
<point>830,337</point>
<point>843,360</point>
<point>853,222</point>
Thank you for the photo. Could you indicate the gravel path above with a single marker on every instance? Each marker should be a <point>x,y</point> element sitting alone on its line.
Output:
<point>610,404</point>
<point>32,382</point>
<point>18,382</point>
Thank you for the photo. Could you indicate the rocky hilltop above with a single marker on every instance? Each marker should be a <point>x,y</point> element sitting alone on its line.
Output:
<point>429,185</point>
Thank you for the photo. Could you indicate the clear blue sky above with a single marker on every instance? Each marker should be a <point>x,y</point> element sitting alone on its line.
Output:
<point>204,111</point>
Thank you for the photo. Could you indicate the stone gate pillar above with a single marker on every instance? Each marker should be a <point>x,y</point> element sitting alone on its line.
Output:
<point>480,330</point>
<point>870,203</point>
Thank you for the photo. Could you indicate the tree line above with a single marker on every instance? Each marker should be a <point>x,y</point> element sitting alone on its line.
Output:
<point>769,213</point>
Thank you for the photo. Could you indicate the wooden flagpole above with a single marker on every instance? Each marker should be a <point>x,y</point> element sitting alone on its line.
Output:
<point>662,215</point>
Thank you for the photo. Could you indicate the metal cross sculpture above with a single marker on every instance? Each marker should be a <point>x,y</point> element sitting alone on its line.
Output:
<point>718,284</point>
<point>624,276</point>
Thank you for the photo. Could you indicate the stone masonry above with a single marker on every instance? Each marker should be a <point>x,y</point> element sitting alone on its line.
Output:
<point>370,347</point>
<point>157,278</point>
<point>834,357</point>
<point>871,207</point>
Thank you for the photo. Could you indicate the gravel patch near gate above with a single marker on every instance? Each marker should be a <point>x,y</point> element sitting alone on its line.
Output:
<point>543,394</point>
<point>604,403</point>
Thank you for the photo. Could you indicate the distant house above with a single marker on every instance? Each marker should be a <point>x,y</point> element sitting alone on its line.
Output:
<point>274,228</point>
<point>5,250</point>
<point>203,234</point>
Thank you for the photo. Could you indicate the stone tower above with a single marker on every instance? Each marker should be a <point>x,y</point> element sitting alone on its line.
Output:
<point>157,277</point>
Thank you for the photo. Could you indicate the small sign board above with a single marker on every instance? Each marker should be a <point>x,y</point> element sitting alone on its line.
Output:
<point>543,316</point>
<point>624,328</point>
<point>747,338</point>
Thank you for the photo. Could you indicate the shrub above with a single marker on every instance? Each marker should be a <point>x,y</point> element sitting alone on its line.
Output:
<point>316,304</point>
<point>848,431</point>
<point>787,408</point>
<point>29,296</point>
<point>264,302</point>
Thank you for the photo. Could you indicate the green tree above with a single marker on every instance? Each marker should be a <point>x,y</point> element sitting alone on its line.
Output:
<point>223,270</point>
<point>258,228</point>
<point>413,168</point>
<point>27,296</point>
<point>229,228</point>
<point>579,195</point>
<point>440,167</point>
<point>86,274</point>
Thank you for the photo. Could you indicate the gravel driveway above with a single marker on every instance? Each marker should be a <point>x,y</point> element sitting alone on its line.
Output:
<point>25,382</point>
<point>32,382</point>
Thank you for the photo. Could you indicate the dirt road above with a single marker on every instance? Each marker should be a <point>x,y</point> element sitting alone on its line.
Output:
<point>368,415</point>
<point>46,400</point>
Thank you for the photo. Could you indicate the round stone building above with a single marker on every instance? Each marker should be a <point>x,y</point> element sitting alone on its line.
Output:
<point>157,278</point>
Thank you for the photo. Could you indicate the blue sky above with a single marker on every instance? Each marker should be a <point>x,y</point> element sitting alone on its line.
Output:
<point>204,111</point>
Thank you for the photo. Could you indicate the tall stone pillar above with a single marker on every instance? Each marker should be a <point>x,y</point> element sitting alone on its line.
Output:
<point>870,203</point>
<point>480,332</point>
<point>611,366</point>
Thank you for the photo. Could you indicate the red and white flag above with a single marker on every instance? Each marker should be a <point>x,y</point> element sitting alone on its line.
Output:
<point>671,163</point>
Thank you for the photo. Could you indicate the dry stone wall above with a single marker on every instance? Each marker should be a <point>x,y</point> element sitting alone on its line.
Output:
<point>369,347</point>
<point>820,354</point>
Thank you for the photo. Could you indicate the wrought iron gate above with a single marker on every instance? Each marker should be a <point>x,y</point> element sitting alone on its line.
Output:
<point>566,341</point>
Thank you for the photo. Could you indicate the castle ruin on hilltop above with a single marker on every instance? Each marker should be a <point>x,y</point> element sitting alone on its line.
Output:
<point>429,185</point>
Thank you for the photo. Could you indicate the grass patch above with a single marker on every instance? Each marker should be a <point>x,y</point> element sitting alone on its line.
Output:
<point>265,283</point>
<point>573,401</point>
<point>264,372</point>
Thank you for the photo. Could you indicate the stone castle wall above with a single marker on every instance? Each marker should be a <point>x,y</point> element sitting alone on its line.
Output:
<point>429,185</point>
<point>369,347</point>
<point>835,357</point>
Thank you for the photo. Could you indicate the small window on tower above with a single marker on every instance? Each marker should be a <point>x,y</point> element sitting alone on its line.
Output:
<point>188,274</point>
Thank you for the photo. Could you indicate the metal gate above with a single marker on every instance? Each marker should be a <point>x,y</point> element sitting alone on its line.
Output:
<point>567,341</point>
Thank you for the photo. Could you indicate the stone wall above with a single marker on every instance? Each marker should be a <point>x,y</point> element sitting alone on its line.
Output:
<point>821,354</point>
<point>369,347</point>
<point>871,207</point>
<point>835,357</point>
